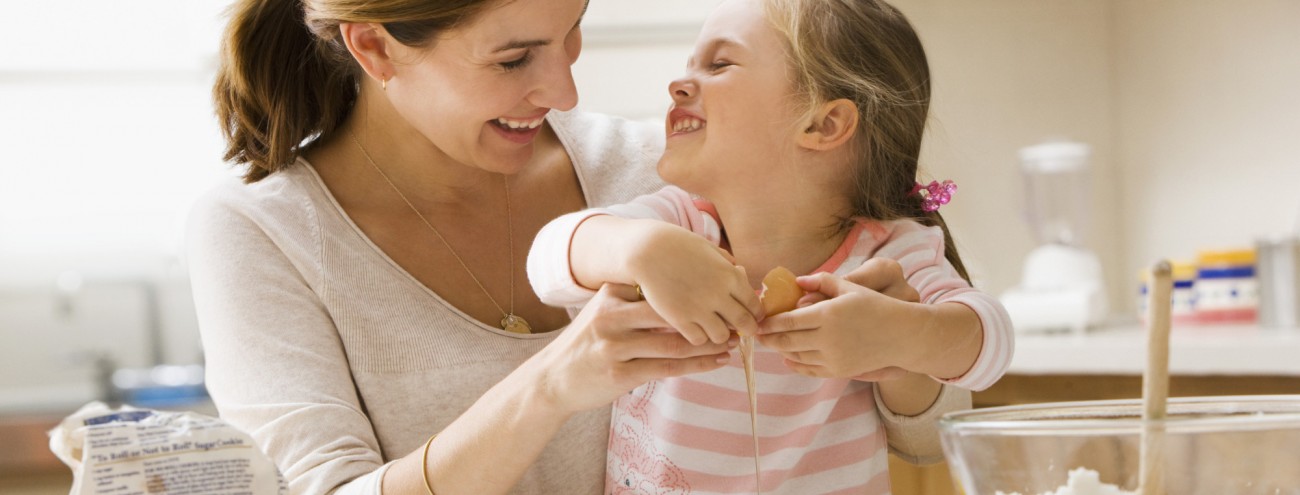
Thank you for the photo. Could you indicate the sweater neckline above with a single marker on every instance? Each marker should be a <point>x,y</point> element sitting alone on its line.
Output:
<point>403,273</point>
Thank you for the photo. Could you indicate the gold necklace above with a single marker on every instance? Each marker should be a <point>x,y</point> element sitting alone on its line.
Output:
<point>510,322</point>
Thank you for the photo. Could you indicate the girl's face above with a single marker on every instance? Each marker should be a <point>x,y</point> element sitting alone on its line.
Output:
<point>733,116</point>
<point>480,92</point>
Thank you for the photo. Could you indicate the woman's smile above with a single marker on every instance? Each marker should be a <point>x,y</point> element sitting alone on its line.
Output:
<point>518,130</point>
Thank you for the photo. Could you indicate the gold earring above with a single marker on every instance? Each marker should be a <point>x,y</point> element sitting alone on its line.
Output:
<point>384,83</point>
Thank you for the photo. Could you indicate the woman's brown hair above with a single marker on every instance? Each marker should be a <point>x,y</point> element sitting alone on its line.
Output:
<point>286,79</point>
<point>865,51</point>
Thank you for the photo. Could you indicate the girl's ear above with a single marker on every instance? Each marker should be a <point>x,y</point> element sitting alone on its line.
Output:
<point>834,124</point>
<point>369,45</point>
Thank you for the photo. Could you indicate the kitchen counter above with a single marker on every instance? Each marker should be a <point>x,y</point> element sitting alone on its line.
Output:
<point>1218,350</point>
<point>1107,363</point>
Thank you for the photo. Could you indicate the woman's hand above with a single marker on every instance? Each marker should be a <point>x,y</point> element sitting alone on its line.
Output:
<point>614,345</point>
<point>849,328</point>
<point>694,285</point>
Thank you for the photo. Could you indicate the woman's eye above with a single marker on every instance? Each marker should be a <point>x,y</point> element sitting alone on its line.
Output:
<point>517,63</point>
<point>718,65</point>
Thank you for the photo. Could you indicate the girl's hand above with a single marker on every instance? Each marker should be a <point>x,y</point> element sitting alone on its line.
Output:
<point>615,344</point>
<point>882,275</point>
<point>694,285</point>
<point>850,330</point>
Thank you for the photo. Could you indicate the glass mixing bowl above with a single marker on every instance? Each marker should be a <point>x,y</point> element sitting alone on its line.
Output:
<point>1211,445</point>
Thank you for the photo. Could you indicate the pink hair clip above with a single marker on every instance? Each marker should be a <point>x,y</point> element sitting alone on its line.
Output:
<point>935,194</point>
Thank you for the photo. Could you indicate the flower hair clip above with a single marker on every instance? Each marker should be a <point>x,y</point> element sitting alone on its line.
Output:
<point>934,194</point>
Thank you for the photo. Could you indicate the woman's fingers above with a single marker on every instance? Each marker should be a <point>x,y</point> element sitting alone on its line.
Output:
<point>882,374</point>
<point>808,369</point>
<point>619,307</point>
<point>643,370</point>
<point>811,358</point>
<point>660,345</point>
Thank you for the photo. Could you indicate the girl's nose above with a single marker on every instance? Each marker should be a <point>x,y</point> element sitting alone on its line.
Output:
<point>682,89</point>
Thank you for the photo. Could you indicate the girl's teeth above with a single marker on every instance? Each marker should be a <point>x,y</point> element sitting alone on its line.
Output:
<point>688,125</point>
<point>521,124</point>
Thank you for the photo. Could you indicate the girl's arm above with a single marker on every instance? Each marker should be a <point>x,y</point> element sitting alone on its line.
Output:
<point>666,244</point>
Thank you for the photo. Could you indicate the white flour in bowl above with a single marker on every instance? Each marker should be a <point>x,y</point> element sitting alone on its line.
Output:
<point>1083,481</point>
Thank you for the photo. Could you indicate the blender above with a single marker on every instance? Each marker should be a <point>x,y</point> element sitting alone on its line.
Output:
<point>1061,288</point>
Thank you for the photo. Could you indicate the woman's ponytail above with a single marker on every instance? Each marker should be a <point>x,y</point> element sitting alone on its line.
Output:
<point>279,87</point>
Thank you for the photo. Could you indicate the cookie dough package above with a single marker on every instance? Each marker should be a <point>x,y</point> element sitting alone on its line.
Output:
<point>141,451</point>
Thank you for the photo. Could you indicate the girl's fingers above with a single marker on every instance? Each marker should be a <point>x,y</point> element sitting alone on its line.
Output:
<point>746,295</point>
<point>740,318</point>
<point>692,332</point>
<point>808,318</point>
<point>716,328</point>
<point>828,284</point>
<point>790,341</point>
<point>810,299</point>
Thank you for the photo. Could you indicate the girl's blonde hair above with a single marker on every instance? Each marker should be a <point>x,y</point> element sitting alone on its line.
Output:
<point>286,79</point>
<point>865,51</point>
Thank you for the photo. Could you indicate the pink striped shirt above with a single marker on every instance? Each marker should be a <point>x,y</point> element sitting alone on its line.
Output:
<point>691,435</point>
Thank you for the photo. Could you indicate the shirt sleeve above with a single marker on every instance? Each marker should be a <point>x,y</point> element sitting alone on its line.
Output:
<point>274,362</point>
<point>920,251</point>
<point>915,439</point>
<point>549,268</point>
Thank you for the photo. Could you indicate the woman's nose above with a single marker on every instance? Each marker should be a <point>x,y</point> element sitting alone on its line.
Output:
<point>555,87</point>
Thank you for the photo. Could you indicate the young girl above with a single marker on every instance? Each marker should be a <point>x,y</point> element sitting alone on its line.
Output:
<point>800,121</point>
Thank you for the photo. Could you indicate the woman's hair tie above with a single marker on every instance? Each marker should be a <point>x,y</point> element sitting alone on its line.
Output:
<point>934,194</point>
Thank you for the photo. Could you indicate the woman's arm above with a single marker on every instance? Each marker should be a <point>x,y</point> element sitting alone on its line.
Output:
<point>277,369</point>
<point>609,349</point>
<point>275,364</point>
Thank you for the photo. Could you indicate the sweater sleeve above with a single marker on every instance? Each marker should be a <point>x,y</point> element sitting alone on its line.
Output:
<point>549,267</point>
<point>915,439</point>
<point>920,251</point>
<point>275,364</point>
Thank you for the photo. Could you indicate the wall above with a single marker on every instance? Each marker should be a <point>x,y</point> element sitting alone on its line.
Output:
<point>1209,115</point>
<point>107,128</point>
<point>1007,74</point>
<point>1191,108</point>
<point>1010,74</point>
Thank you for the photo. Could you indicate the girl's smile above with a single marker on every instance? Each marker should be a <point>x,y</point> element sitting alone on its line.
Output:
<point>682,121</point>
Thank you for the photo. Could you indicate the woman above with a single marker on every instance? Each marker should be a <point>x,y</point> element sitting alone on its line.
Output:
<point>362,297</point>
<point>365,290</point>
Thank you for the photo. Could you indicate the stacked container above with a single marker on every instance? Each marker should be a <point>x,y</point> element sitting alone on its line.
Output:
<point>1226,288</point>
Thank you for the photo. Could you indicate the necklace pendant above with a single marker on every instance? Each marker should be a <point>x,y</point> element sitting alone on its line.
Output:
<point>515,324</point>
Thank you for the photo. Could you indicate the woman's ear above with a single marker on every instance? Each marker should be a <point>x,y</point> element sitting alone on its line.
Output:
<point>368,44</point>
<point>833,124</point>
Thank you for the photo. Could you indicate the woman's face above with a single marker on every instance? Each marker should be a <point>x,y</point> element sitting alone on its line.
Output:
<point>480,91</point>
<point>733,115</point>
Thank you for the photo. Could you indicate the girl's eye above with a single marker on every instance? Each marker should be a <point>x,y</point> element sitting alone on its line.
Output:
<point>517,63</point>
<point>719,65</point>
